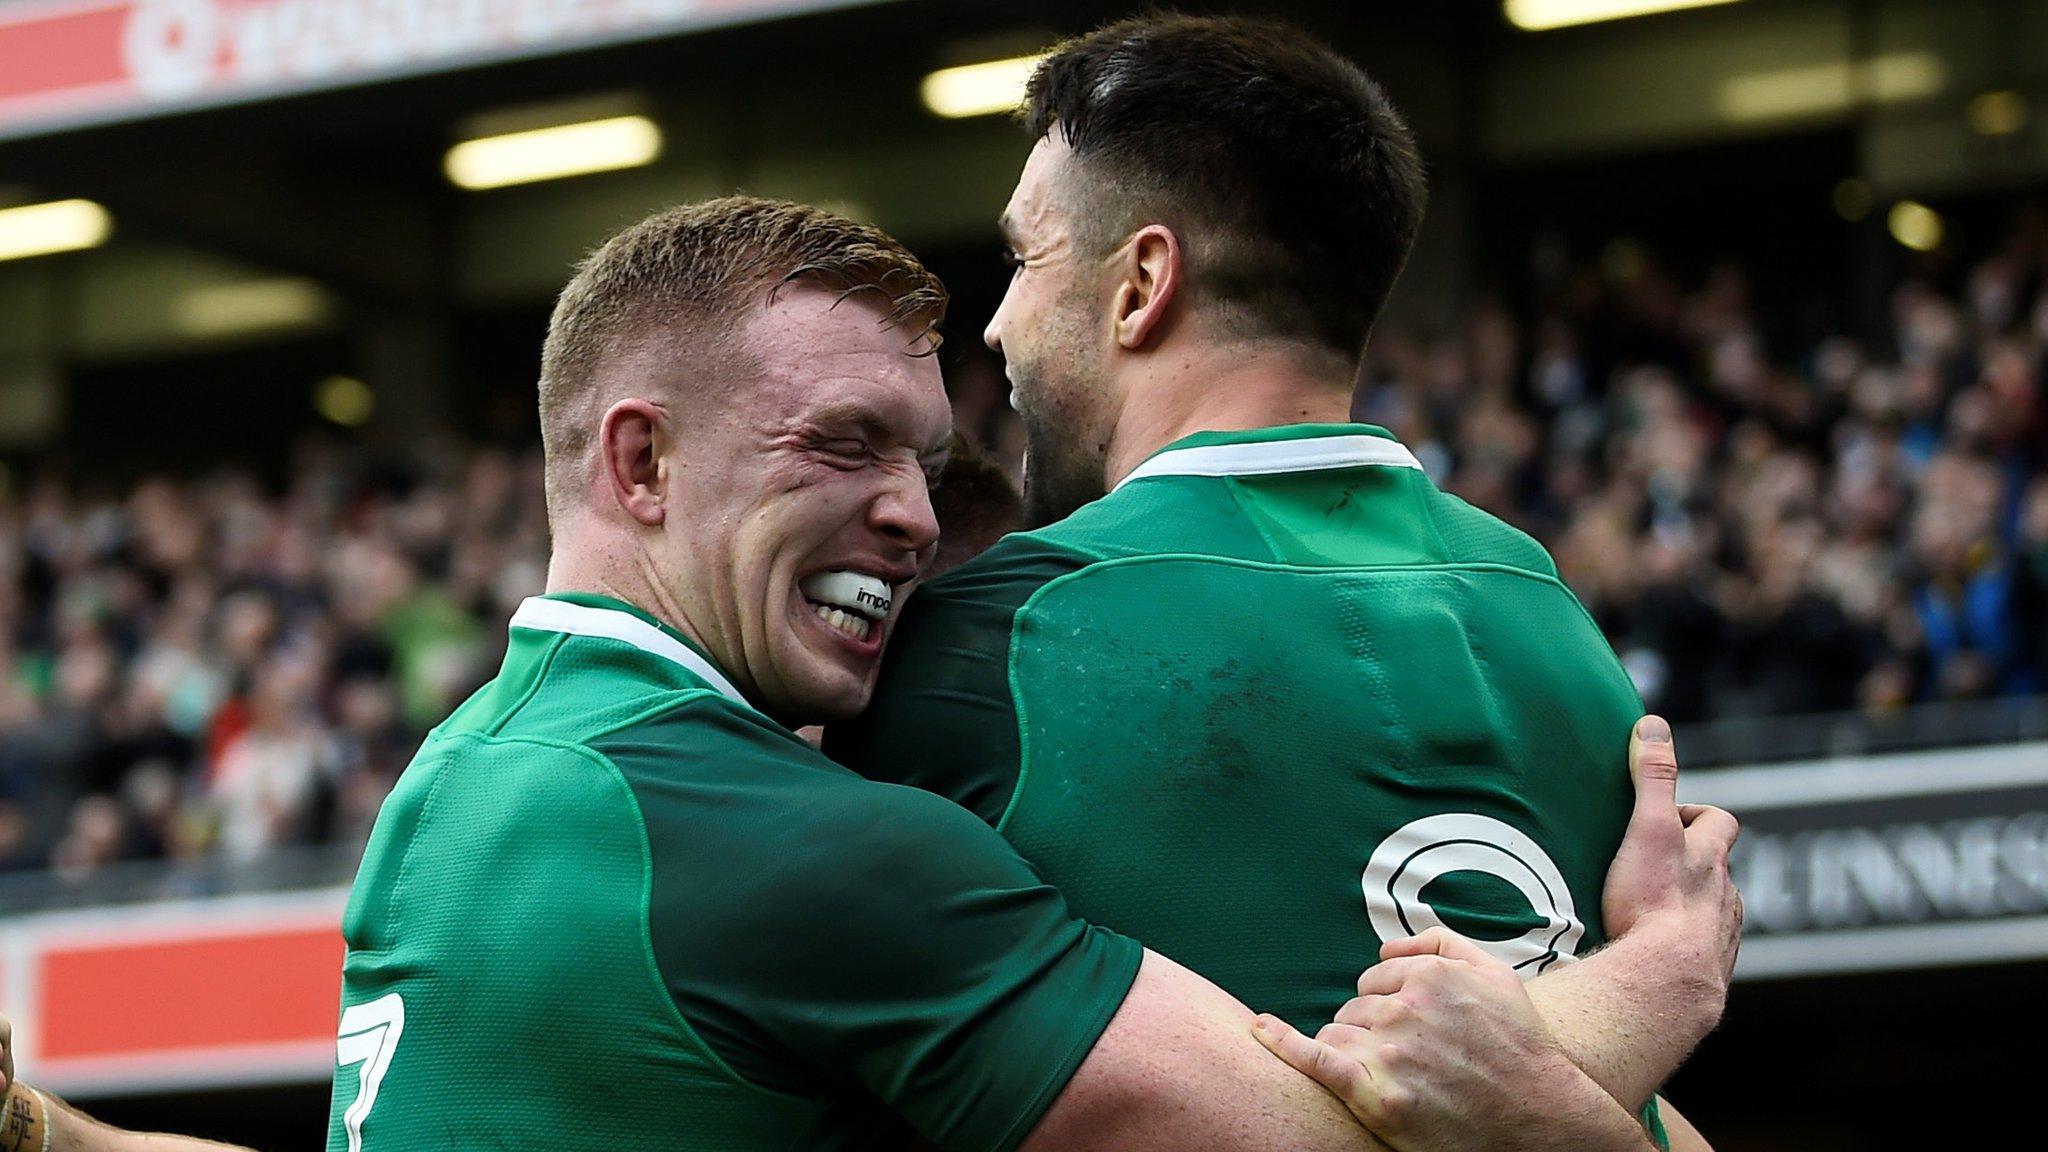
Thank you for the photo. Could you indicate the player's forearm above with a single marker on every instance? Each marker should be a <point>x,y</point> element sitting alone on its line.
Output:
<point>1632,1012</point>
<point>1178,1068</point>
<point>35,1121</point>
<point>1584,1118</point>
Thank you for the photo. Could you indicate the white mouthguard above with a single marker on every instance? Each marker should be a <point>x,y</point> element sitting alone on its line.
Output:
<point>853,591</point>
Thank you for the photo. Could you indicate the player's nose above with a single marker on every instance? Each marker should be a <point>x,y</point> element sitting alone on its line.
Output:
<point>993,334</point>
<point>903,513</point>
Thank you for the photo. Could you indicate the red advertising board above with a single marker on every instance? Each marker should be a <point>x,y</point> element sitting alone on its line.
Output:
<point>65,63</point>
<point>196,994</point>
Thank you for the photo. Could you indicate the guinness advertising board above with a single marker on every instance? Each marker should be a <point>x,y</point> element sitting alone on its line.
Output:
<point>1869,863</point>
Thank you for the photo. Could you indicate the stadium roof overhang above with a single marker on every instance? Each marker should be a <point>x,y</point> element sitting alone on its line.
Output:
<point>85,62</point>
<point>298,144</point>
<point>306,138</point>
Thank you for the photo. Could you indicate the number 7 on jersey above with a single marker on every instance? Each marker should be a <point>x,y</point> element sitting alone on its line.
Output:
<point>369,1037</point>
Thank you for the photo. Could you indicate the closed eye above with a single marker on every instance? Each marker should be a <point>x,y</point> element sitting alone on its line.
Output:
<point>846,453</point>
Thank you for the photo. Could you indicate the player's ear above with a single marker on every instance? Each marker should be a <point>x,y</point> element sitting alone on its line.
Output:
<point>1150,275</point>
<point>632,445</point>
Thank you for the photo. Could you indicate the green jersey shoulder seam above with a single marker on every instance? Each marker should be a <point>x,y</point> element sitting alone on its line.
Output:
<point>654,972</point>
<point>1023,611</point>
<point>1299,569</point>
<point>1017,706</point>
<point>533,687</point>
<point>646,927</point>
<point>426,811</point>
<point>1234,486</point>
<point>1419,494</point>
<point>667,701</point>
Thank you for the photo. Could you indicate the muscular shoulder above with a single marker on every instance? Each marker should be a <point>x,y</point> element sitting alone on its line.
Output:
<point>805,919</point>
<point>1473,536</point>
<point>704,738</point>
<point>721,779</point>
<point>759,837</point>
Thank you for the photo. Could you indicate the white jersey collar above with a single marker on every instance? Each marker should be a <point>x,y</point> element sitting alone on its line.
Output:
<point>1270,457</point>
<point>544,615</point>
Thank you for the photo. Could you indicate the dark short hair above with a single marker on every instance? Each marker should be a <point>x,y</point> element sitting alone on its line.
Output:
<point>1278,161</point>
<point>687,275</point>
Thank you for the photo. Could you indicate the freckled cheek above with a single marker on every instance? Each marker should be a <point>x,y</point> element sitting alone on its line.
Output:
<point>805,475</point>
<point>1016,316</point>
<point>1016,302</point>
<point>809,514</point>
<point>1031,301</point>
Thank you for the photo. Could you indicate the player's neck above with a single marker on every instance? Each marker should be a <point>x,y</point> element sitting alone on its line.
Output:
<point>1229,388</point>
<point>628,575</point>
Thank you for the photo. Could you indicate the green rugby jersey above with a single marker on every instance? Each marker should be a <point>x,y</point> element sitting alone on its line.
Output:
<point>610,906</point>
<point>1273,701</point>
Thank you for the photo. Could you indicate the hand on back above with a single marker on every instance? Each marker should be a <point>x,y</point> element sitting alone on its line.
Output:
<point>1670,874</point>
<point>1443,1049</point>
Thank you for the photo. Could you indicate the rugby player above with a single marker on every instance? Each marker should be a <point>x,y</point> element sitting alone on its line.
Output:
<point>1252,667</point>
<point>615,902</point>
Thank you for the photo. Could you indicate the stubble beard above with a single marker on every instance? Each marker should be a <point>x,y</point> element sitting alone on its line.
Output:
<point>1061,400</point>
<point>1062,472</point>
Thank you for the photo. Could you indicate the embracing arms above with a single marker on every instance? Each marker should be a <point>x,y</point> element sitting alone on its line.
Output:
<point>1438,1052</point>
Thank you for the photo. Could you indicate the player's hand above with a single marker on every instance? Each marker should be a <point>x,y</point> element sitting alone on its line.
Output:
<point>1442,1050</point>
<point>1671,872</point>
<point>23,1124</point>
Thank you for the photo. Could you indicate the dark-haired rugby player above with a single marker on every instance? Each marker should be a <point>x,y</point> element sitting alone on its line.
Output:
<point>1254,690</point>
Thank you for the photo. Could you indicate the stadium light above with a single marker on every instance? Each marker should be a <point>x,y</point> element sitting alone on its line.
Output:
<point>1916,226</point>
<point>978,89</point>
<point>344,400</point>
<point>56,226</point>
<point>1831,87</point>
<point>1543,15</point>
<point>252,306</point>
<point>1997,113</point>
<point>553,153</point>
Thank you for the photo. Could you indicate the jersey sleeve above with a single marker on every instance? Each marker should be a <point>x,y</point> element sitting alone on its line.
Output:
<point>1653,1124</point>
<point>943,717</point>
<point>821,932</point>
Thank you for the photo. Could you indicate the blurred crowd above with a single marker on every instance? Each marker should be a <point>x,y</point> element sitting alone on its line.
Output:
<point>204,668</point>
<point>212,668</point>
<point>1841,525</point>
